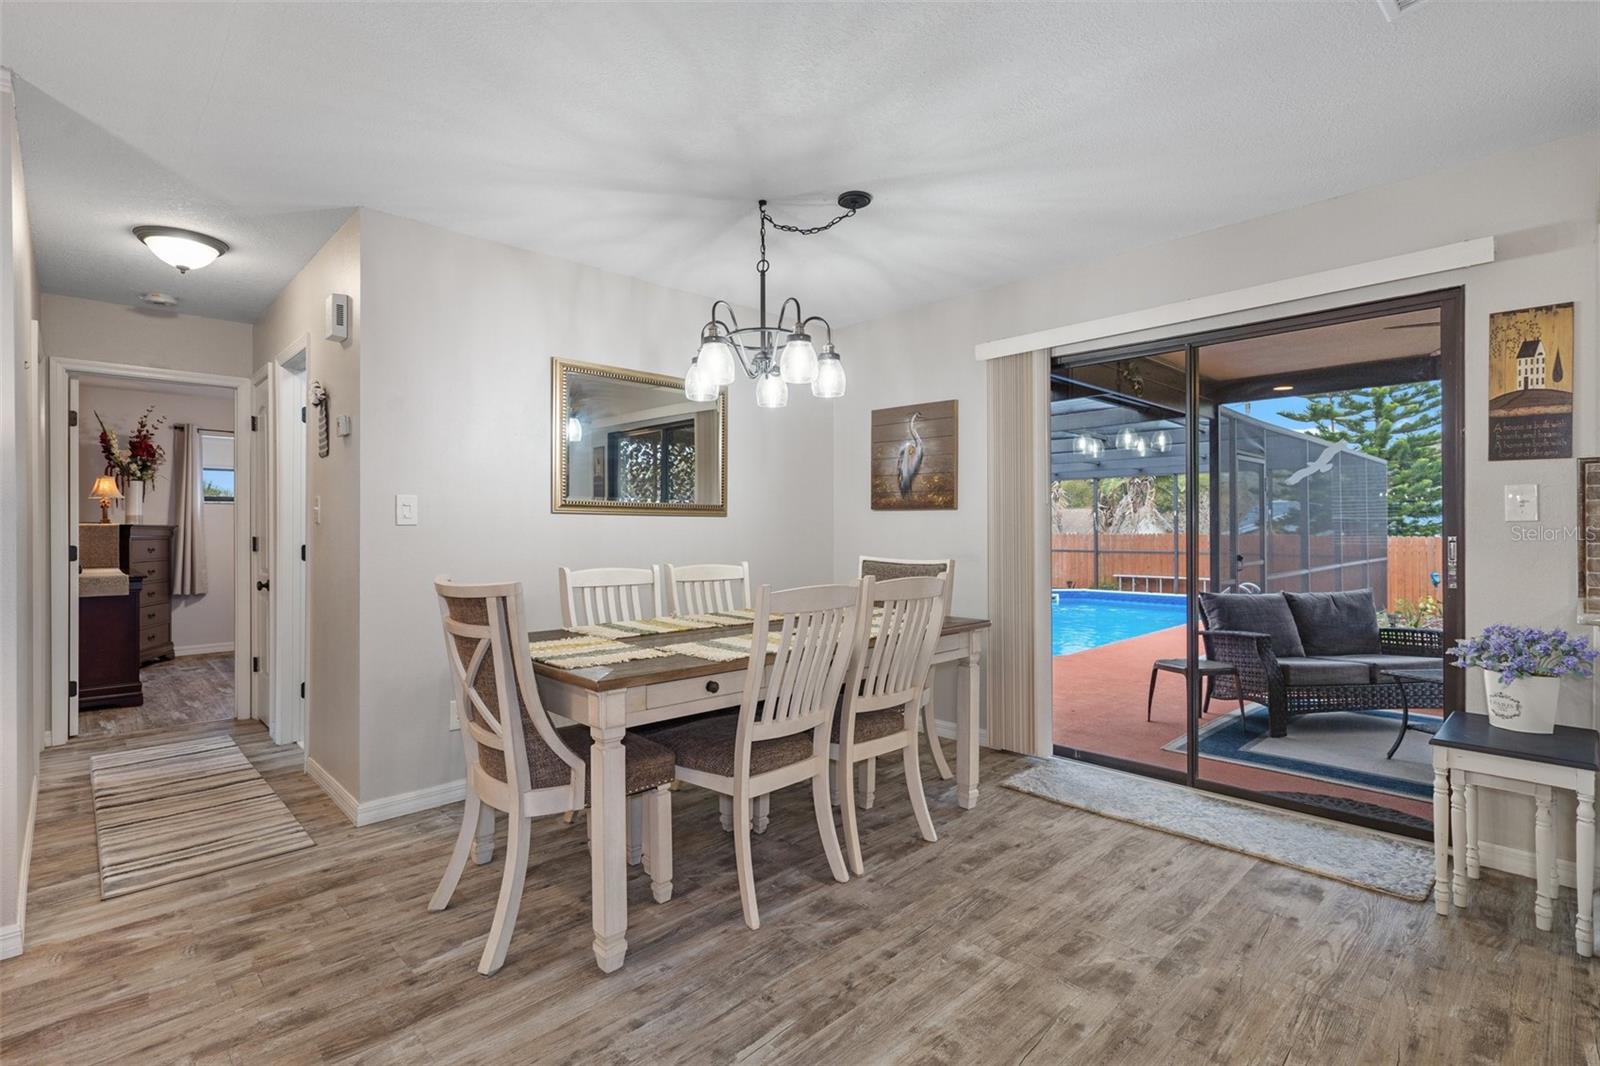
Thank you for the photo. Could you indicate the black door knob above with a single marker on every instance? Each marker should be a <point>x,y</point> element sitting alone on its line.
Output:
<point>262,586</point>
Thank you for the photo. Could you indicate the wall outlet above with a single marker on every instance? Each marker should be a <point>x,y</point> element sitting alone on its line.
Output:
<point>405,510</point>
<point>455,718</point>
<point>1522,503</point>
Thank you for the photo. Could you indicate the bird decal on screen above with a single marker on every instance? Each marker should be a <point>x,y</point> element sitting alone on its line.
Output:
<point>909,459</point>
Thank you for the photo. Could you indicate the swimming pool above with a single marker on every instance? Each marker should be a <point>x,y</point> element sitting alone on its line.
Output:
<point>1088,618</point>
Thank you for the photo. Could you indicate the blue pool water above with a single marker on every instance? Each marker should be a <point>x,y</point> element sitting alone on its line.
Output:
<point>1088,618</point>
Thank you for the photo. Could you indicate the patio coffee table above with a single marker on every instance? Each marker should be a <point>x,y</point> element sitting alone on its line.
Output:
<point>1419,675</point>
<point>1207,668</point>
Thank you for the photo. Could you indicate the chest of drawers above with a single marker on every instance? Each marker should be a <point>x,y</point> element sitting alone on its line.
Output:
<point>146,552</point>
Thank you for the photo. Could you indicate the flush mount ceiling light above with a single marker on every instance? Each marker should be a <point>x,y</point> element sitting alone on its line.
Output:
<point>159,299</point>
<point>1283,388</point>
<point>181,248</point>
<point>774,356</point>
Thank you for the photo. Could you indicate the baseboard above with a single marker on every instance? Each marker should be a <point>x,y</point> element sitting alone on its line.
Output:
<point>947,730</point>
<point>1511,860</point>
<point>11,935</point>
<point>336,792</point>
<point>202,649</point>
<point>423,799</point>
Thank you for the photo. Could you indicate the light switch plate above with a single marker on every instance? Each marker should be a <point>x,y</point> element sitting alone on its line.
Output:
<point>405,510</point>
<point>1522,503</point>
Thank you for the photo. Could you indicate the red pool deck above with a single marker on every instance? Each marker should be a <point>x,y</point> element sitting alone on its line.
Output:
<point>1099,707</point>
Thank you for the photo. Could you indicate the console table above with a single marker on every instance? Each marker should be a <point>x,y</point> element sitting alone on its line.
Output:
<point>1468,753</point>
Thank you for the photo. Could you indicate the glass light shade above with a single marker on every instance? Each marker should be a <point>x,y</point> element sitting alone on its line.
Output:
<point>574,430</point>
<point>180,248</point>
<point>697,386</point>
<point>772,391</point>
<point>799,360</point>
<point>105,488</point>
<point>829,384</point>
<point>716,361</point>
<point>1163,442</point>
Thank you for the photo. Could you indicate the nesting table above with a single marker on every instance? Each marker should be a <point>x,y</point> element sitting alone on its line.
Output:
<point>1469,753</point>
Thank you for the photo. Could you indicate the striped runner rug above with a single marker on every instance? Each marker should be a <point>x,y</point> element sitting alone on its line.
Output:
<point>183,810</point>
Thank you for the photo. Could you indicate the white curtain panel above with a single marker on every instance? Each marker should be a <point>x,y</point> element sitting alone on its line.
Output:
<point>188,514</point>
<point>1019,666</point>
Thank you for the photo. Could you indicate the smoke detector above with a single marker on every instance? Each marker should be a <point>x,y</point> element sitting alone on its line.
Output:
<point>159,299</point>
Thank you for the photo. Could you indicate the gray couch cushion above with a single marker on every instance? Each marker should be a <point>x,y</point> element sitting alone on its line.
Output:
<point>1255,612</point>
<point>1303,671</point>
<point>1335,623</point>
<point>1376,664</point>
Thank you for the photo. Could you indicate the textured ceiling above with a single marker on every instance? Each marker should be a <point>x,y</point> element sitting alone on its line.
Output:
<point>1000,140</point>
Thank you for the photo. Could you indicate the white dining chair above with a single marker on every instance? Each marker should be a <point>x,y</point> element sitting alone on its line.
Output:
<point>884,568</point>
<point>700,588</point>
<point>884,695</point>
<point>782,739</point>
<point>518,762</point>
<point>610,594</point>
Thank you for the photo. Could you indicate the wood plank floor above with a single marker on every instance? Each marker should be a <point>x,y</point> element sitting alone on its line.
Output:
<point>1029,932</point>
<point>177,693</point>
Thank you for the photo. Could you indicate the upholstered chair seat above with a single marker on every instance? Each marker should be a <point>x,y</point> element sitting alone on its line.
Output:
<point>875,725</point>
<point>708,746</point>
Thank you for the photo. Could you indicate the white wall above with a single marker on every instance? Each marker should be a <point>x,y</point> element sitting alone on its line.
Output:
<point>197,621</point>
<point>333,693</point>
<point>1541,206</point>
<point>455,407</point>
<point>24,595</point>
<point>77,328</point>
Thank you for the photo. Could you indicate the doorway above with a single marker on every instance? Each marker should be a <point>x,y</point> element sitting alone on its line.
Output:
<point>279,547</point>
<point>1310,460</point>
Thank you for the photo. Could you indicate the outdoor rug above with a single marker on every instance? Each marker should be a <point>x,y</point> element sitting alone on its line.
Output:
<point>1341,747</point>
<point>183,810</point>
<point>1395,867</point>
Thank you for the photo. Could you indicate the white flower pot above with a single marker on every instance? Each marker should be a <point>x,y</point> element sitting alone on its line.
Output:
<point>133,503</point>
<point>1527,705</point>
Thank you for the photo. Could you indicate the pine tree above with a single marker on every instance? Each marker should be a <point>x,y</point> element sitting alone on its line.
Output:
<point>1399,424</point>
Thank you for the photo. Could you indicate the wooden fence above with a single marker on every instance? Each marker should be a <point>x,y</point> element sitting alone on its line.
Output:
<point>1159,556</point>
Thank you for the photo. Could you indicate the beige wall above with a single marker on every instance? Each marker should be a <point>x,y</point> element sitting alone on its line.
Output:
<point>333,727</point>
<point>455,405</point>
<point>111,333</point>
<point>197,621</point>
<point>24,593</point>
<point>1544,218</point>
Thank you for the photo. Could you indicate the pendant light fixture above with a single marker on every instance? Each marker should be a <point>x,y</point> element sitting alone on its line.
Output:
<point>181,248</point>
<point>774,356</point>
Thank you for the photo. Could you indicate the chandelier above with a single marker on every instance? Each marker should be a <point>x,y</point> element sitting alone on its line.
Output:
<point>774,356</point>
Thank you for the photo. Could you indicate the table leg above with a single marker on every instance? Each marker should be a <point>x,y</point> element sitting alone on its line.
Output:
<point>968,701</point>
<point>1472,832</point>
<point>1543,889</point>
<point>1458,837</point>
<point>1585,859</point>
<point>608,816</point>
<point>1441,833</point>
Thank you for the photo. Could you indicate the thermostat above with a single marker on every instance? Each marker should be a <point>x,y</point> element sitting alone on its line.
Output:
<point>336,321</point>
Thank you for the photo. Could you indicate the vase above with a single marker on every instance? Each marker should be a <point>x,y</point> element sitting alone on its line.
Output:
<point>133,503</point>
<point>1526,705</point>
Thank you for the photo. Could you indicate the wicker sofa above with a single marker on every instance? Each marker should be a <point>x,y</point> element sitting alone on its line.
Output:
<point>1305,653</point>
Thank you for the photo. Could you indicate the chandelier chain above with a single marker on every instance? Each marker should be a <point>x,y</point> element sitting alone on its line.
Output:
<point>804,231</point>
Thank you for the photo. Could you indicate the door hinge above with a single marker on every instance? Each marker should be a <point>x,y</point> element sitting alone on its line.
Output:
<point>72,418</point>
<point>72,553</point>
<point>302,553</point>
<point>255,544</point>
<point>255,664</point>
<point>302,414</point>
<point>253,426</point>
<point>72,689</point>
<point>302,690</point>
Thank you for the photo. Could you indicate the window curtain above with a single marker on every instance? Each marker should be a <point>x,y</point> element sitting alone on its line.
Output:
<point>188,514</point>
<point>1019,553</point>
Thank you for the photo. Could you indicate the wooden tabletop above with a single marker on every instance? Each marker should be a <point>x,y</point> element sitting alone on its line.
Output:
<point>1567,746</point>
<point>675,667</point>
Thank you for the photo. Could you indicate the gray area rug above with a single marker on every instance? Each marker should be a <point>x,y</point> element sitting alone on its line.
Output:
<point>175,811</point>
<point>1395,867</point>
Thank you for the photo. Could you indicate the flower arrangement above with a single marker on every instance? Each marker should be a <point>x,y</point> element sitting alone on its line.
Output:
<point>143,456</point>
<point>1515,652</point>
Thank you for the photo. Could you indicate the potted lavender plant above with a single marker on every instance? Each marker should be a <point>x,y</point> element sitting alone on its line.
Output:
<point>1522,672</point>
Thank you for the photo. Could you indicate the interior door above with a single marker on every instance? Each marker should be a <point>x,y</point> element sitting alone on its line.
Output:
<point>74,435</point>
<point>1250,532</point>
<point>260,551</point>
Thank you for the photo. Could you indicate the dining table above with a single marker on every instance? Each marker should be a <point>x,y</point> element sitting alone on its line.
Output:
<point>612,699</point>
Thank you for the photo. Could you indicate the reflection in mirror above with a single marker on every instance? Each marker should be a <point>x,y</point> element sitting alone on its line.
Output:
<point>629,442</point>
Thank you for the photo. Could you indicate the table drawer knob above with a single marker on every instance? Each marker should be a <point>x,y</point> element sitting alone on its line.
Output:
<point>713,687</point>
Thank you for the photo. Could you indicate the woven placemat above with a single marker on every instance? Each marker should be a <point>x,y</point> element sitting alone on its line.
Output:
<point>645,627</point>
<point>722,649</point>
<point>575,653</point>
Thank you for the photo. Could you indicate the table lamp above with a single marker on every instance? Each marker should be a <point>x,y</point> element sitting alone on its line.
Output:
<point>105,490</point>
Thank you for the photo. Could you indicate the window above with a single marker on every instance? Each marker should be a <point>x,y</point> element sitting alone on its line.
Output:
<point>216,466</point>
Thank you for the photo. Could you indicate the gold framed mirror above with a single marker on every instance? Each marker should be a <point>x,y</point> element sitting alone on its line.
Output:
<point>630,442</point>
